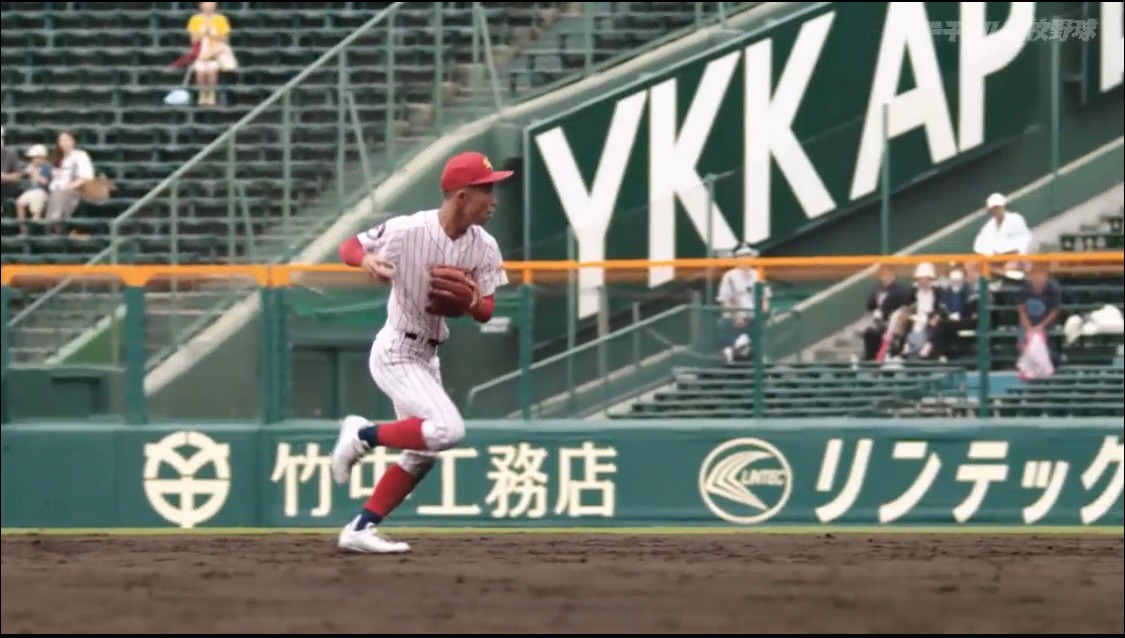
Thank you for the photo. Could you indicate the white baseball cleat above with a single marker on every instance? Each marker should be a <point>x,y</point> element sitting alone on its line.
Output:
<point>349,448</point>
<point>368,541</point>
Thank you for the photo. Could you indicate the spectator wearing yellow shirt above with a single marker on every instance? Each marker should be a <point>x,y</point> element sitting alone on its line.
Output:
<point>210,32</point>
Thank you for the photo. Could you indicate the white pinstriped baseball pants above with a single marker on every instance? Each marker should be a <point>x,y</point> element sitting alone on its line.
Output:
<point>408,371</point>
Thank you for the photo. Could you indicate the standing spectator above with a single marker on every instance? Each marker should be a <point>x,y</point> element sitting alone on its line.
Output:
<point>887,297</point>
<point>210,31</point>
<point>34,199</point>
<point>736,295</point>
<point>10,174</point>
<point>1040,301</point>
<point>72,170</point>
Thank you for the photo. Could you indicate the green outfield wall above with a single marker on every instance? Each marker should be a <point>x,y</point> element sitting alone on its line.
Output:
<point>578,473</point>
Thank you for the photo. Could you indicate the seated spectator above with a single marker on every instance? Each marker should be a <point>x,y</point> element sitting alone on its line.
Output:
<point>34,198</point>
<point>10,174</point>
<point>736,294</point>
<point>887,297</point>
<point>72,170</point>
<point>910,328</point>
<point>1040,302</point>
<point>1006,233</point>
<point>958,299</point>
<point>210,31</point>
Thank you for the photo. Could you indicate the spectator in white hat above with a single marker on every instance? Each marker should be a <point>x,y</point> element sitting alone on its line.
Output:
<point>736,295</point>
<point>1006,233</point>
<point>34,199</point>
<point>910,328</point>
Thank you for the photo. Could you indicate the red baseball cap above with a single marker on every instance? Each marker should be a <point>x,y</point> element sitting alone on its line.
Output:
<point>469,169</point>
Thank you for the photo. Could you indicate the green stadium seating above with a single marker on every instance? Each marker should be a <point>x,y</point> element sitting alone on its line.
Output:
<point>102,69</point>
<point>796,390</point>
<point>1073,391</point>
<point>1107,235</point>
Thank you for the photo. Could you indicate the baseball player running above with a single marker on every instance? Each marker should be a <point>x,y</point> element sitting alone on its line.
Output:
<point>439,263</point>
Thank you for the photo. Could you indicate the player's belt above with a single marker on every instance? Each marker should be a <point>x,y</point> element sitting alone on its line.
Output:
<point>416,337</point>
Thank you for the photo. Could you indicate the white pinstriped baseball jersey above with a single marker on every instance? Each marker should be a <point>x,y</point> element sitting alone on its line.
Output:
<point>415,242</point>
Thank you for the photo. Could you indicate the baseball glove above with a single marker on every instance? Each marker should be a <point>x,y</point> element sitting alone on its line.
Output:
<point>452,293</point>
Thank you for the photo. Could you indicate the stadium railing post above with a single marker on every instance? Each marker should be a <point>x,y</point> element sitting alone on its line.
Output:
<point>588,29</point>
<point>757,353</point>
<point>489,60</point>
<point>439,72</point>
<point>392,81</point>
<point>885,190</point>
<point>283,364</point>
<point>984,354</point>
<point>286,158</point>
<point>266,364</point>
<point>571,313</point>
<point>341,123</point>
<point>5,354</point>
<point>136,408</point>
<point>231,196</point>
<point>526,344</point>
<point>1056,114</point>
<point>709,183</point>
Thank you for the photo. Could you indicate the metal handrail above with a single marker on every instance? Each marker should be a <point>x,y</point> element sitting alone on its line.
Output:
<point>51,292</point>
<point>246,119</point>
<point>593,343</point>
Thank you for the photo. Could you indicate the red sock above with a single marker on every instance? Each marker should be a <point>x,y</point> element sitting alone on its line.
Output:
<point>404,435</point>
<point>394,486</point>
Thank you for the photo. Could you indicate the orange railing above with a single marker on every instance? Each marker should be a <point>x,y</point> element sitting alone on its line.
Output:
<point>530,271</point>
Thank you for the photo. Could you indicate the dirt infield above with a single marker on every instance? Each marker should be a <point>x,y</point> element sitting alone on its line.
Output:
<point>573,583</point>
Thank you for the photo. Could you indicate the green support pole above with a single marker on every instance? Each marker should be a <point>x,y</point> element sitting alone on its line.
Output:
<point>341,123</point>
<point>361,147</point>
<point>474,85</point>
<point>526,343</point>
<point>230,197</point>
<point>136,409</point>
<point>885,190</point>
<point>757,353</point>
<point>588,27</point>
<point>265,355</point>
<point>174,238</point>
<point>1056,114</point>
<point>286,158</point>
<point>984,353</point>
<point>282,355</point>
<point>709,182</point>
<point>5,355</point>
<point>571,314</point>
<point>174,222</point>
<point>439,71</point>
<point>392,115</point>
